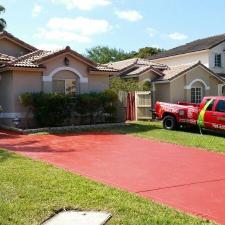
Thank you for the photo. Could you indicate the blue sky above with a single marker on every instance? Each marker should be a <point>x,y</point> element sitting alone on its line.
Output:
<point>125,24</point>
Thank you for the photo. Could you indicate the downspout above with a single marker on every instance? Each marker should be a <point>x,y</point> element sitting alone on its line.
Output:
<point>153,94</point>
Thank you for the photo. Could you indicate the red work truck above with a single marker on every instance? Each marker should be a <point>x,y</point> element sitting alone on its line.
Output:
<point>209,114</point>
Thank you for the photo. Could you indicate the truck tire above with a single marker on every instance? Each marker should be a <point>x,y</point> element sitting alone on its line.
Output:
<point>169,123</point>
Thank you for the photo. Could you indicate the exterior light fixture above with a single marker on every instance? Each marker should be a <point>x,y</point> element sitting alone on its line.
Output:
<point>66,61</point>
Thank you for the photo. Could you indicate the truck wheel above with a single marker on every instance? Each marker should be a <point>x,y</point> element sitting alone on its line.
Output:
<point>169,123</point>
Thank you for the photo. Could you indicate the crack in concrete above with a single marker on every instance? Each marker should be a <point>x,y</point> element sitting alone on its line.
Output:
<point>181,185</point>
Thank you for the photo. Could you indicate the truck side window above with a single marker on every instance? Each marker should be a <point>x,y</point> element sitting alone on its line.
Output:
<point>210,105</point>
<point>221,106</point>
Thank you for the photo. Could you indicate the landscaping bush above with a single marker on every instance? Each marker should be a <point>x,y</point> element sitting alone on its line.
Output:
<point>118,84</point>
<point>51,110</point>
<point>97,107</point>
<point>48,109</point>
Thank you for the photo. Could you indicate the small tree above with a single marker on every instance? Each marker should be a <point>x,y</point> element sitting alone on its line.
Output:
<point>117,84</point>
<point>147,86</point>
<point>148,51</point>
<point>104,54</point>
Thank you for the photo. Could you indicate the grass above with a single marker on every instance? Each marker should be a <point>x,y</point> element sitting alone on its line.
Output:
<point>31,191</point>
<point>154,130</point>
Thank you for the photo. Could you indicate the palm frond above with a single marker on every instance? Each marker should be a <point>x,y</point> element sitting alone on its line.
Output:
<point>2,24</point>
<point>2,9</point>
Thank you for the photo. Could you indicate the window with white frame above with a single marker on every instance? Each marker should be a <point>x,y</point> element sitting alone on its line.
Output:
<point>67,86</point>
<point>196,95</point>
<point>218,60</point>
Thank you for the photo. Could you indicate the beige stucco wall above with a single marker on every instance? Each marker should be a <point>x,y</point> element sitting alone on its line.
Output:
<point>6,88</point>
<point>13,84</point>
<point>88,82</point>
<point>98,83</point>
<point>9,48</point>
<point>162,92</point>
<point>25,81</point>
<point>65,75</point>
<point>179,90</point>
<point>198,73</point>
<point>209,79</point>
<point>58,62</point>
<point>213,86</point>
<point>147,76</point>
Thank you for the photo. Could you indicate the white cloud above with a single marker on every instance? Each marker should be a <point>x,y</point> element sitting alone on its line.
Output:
<point>85,5</point>
<point>177,36</point>
<point>36,10</point>
<point>65,36</point>
<point>151,31</point>
<point>82,25</point>
<point>79,29</point>
<point>130,15</point>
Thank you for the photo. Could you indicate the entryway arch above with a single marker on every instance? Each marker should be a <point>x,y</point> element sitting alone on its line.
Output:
<point>65,68</point>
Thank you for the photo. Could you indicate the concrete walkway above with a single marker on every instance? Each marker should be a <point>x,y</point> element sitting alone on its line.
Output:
<point>188,179</point>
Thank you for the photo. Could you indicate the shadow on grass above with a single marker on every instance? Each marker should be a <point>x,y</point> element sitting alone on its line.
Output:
<point>137,128</point>
<point>5,155</point>
<point>133,128</point>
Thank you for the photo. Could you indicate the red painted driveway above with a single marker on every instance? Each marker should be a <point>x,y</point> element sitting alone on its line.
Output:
<point>185,178</point>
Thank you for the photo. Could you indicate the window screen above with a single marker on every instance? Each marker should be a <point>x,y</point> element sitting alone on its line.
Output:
<point>71,86</point>
<point>59,86</point>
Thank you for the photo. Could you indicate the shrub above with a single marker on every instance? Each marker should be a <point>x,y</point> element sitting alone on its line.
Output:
<point>96,106</point>
<point>118,84</point>
<point>59,109</point>
<point>48,109</point>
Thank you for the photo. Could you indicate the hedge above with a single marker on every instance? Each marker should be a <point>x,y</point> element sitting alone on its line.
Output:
<point>51,110</point>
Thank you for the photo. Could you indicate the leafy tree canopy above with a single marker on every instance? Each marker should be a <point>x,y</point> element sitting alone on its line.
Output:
<point>148,51</point>
<point>118,84</point>
<point>104,54</point>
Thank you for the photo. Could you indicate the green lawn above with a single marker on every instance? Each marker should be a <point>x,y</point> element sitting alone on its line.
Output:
<point>31,191</point>
<point>154,130</point>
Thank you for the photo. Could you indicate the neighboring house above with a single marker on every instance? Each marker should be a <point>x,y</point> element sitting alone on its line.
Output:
<point>186,73</point>
<point>23,68</point>
<point>207,79</point>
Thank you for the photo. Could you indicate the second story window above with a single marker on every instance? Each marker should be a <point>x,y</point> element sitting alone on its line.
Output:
<point>218,60</point>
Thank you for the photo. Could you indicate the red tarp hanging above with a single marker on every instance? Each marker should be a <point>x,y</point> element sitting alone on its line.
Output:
<point>130,113</point>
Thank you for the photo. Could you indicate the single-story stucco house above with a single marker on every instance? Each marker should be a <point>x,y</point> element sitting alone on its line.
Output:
<point>186,73</point>
<point>23,68</point>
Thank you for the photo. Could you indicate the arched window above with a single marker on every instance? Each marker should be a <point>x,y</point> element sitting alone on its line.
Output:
<point>197,92</point>
<point>65,82</point>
